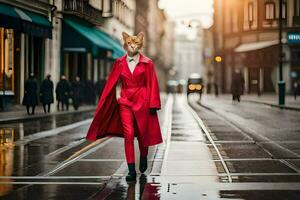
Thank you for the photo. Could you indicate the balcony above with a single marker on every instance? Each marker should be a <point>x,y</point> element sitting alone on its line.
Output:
<point>83,9</point>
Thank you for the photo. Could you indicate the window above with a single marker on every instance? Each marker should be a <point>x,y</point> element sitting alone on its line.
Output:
<point>250,11</point>
<point>6,60</point>
<point>297,8</point>
<point>284,11</point>
<point>270,10</point>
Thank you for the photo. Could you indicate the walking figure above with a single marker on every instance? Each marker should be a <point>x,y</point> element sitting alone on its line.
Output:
<point>46,93</point>
<point>134,112</point>
<point>62,93</point>
<point>76,90</point>
<point>30,98</point>
<point>237,85</point>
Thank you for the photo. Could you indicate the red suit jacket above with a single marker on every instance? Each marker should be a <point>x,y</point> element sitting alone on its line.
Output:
<point>107,121</point>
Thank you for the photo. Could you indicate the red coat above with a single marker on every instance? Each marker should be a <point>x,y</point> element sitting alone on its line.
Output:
<point>107,119</point>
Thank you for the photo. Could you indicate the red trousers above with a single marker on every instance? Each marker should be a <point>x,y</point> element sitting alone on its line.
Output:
<point>128,123</point>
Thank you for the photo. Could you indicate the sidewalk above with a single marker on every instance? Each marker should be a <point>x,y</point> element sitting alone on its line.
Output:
<point>272,100</point>
<point>18,112</point>
<point>267,99</point>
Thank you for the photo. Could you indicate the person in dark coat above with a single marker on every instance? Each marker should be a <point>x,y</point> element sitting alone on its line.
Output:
<point>30,94</point>
<point>46,93</point>
<point>237,85</point>
<point>296,89</point>
<point>62,93</point>
<point>77,92</point>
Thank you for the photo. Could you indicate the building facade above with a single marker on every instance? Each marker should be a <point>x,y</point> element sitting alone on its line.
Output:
<point>25,27</point>
<point>62,37</point>
<point>246,37</point>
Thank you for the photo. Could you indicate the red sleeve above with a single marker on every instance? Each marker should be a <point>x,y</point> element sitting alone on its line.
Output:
<point>154,89</point>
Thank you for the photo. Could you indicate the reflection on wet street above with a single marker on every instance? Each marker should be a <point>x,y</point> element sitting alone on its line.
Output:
<point>25,128</point>
<point>31,158</point>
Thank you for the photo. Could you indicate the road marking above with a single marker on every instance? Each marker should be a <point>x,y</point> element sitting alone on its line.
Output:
<point>290,165</point>
<point>54,177</point>
<point>100,160</point>
<point>207,133</point>
<point>65,148</point>
<point>101,142</point>
<point>261,139</point>
<point>51,132</point>
<point>261,174</point>
<point>52,183</point>
<point>120,171</point>
<point>167,129</point>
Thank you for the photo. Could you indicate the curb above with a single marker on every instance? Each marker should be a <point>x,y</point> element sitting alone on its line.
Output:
<point>38,116</point>
<point>273,105</point>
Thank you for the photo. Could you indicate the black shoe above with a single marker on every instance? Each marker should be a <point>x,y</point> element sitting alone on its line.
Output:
<point>132,173</point>
<point>143,164</point>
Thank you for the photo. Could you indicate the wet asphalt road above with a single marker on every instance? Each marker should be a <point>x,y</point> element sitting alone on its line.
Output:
<point>246,151</point>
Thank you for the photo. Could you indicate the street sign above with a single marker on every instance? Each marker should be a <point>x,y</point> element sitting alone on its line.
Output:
<point>293,38</point>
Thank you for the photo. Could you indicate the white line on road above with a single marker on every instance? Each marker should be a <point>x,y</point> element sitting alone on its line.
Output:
<point>70,161</point>
<point>52,132</point>
<point>52,183</point>
<point>205,129</point>
<point>167,129</point>
<point>54,177</point>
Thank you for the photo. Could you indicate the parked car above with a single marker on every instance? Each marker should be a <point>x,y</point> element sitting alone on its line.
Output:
<point>195,84</point>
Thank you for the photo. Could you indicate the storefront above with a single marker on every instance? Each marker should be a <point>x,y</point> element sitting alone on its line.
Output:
<point>7,61</point>
<point>259,63</point>
<point>22,35</point>
<point>87,51</point>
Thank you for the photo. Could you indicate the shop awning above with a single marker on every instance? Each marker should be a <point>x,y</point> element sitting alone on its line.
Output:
<point>255,46</point>
<point>118,50</point>
<point>88,37</point>
<point>25,21</point>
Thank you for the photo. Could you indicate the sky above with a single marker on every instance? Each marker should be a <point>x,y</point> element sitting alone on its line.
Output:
<point>199,11</point>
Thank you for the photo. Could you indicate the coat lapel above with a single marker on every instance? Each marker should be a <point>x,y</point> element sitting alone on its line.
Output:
<point>125,67</point>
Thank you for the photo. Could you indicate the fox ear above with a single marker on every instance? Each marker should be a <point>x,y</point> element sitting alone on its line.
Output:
<point>141,35</point>
<point>125,35</point>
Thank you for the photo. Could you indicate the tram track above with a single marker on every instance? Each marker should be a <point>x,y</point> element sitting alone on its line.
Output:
<point>253,138</point>
<point>207,133</point>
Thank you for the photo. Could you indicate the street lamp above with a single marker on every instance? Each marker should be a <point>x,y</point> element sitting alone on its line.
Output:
<point>281,83</point>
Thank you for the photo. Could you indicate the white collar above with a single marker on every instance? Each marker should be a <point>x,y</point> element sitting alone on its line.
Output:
<point>135,57</point>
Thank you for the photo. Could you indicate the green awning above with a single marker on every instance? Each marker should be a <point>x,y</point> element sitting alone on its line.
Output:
<point>25,21</point>
<point>89,32</point>
<point>83,35</point>
<point>118,51</point>
<point>38,19</point>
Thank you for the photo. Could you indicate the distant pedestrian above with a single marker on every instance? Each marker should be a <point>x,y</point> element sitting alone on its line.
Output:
<point>216,89</point>
<point>296,88</point>
<point>62,93</point>
<point>77,92</point>
<point>30,94</point>
<point>46,93</point>
<point>237,85</point>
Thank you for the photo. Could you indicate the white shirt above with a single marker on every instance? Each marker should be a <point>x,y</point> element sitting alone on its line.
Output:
<point>132,61</point>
